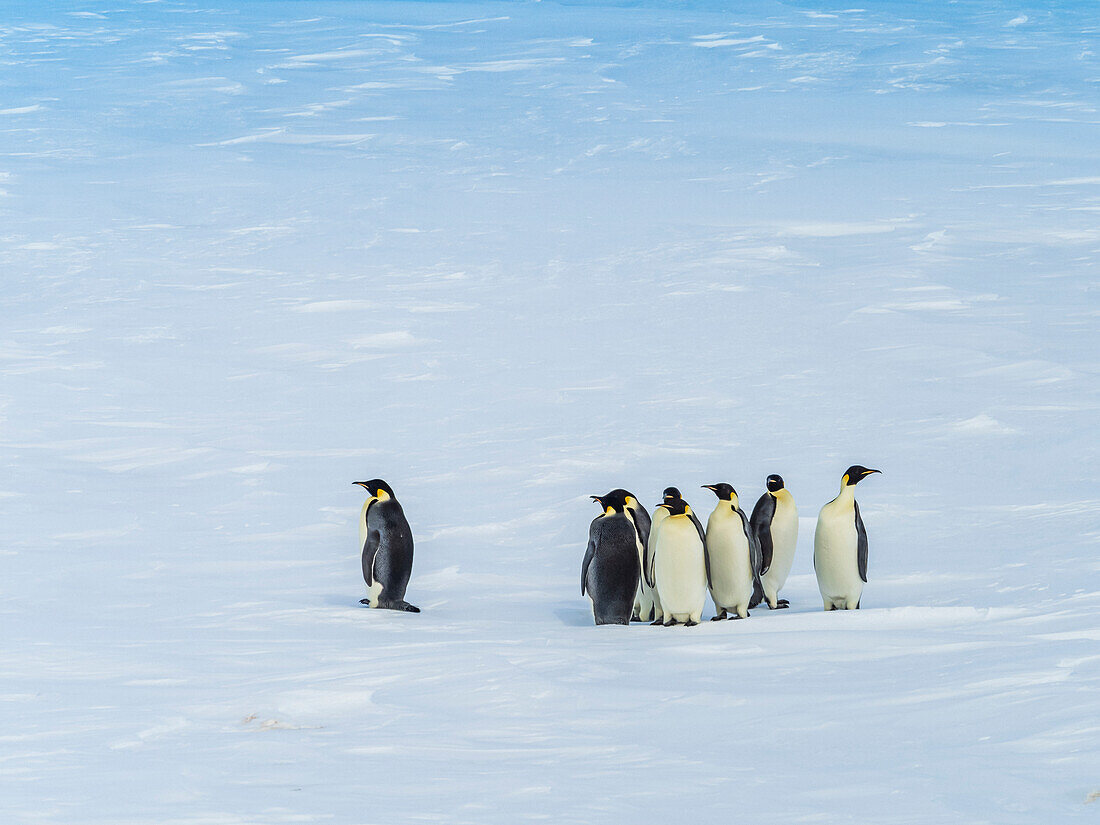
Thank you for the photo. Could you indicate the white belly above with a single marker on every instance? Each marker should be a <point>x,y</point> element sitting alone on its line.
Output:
<point>836,556</point>
<point>784,530</point>
<point>730,561</point>
<point>680,570</point>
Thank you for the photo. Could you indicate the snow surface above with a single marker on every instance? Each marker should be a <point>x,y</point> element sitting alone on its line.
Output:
<point>505,256</point>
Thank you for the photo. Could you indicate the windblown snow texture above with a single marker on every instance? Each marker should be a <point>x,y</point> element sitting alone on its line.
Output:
<point>505,256</point>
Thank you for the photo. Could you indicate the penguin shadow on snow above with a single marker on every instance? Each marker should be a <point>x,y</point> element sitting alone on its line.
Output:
<point>578,616</point>
<point>352,602</point>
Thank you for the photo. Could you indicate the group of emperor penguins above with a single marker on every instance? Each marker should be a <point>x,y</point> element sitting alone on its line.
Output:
<point>641,569</point>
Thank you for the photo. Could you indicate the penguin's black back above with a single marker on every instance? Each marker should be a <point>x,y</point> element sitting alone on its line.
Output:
<point>612,568</point>
<point>761,522</point>
<point>388,554</point>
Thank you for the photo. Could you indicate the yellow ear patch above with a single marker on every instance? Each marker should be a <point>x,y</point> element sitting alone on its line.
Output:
<point>382,495</point>
<point>610,511</point>
<point>844,481</point>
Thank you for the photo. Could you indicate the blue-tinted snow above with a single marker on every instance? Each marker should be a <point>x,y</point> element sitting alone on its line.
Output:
<point>507,255</point>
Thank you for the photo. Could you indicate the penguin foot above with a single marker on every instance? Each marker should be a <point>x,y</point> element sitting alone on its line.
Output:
<point>364,601</point>
<point>784,603</point>
<point>690,623</point>
<point>780,605</point>
<point>717,618</point>
<point>671,623</point>
<point>657,623</point>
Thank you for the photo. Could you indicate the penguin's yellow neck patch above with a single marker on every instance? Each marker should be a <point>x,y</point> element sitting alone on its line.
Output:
<point>844,481</point>
<point>609,511</point>
<point>382,495</point>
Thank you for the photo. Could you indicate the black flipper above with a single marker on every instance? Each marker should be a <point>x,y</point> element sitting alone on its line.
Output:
<point>703,538</point>
<point>642,541</point>
<point>644,534</point>
<point>370,547</point>
<point>589,553</point>
<point>754,558</point>
<point>647,565</point>
<point>368,568</point>
<point>861,544</point>
<point>761,522</point>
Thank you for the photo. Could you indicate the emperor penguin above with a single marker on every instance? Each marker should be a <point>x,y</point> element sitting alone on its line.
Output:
<point>734,555</point>
<point>679,568</point>
<point>387,544</point>
<point>775,525</point>
<point>659,514</point>
<point>840,545</point>
<point>610,570</point>
<point>643,599</point>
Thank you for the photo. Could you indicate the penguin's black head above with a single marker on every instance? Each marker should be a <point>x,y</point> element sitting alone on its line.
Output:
<point>675,506</point>
<point>775,483</point>
<point>856,473</point>
<point>626,494</point>
<point>671,493</point>
<point>616,500</point>
<point>374,486</point>
<point>725,492</point>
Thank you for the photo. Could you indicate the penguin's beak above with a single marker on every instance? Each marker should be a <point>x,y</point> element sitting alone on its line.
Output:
<point>708,487</point>
<point>868,472</point>
<point>596,499</point>
<point>362,484</point>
